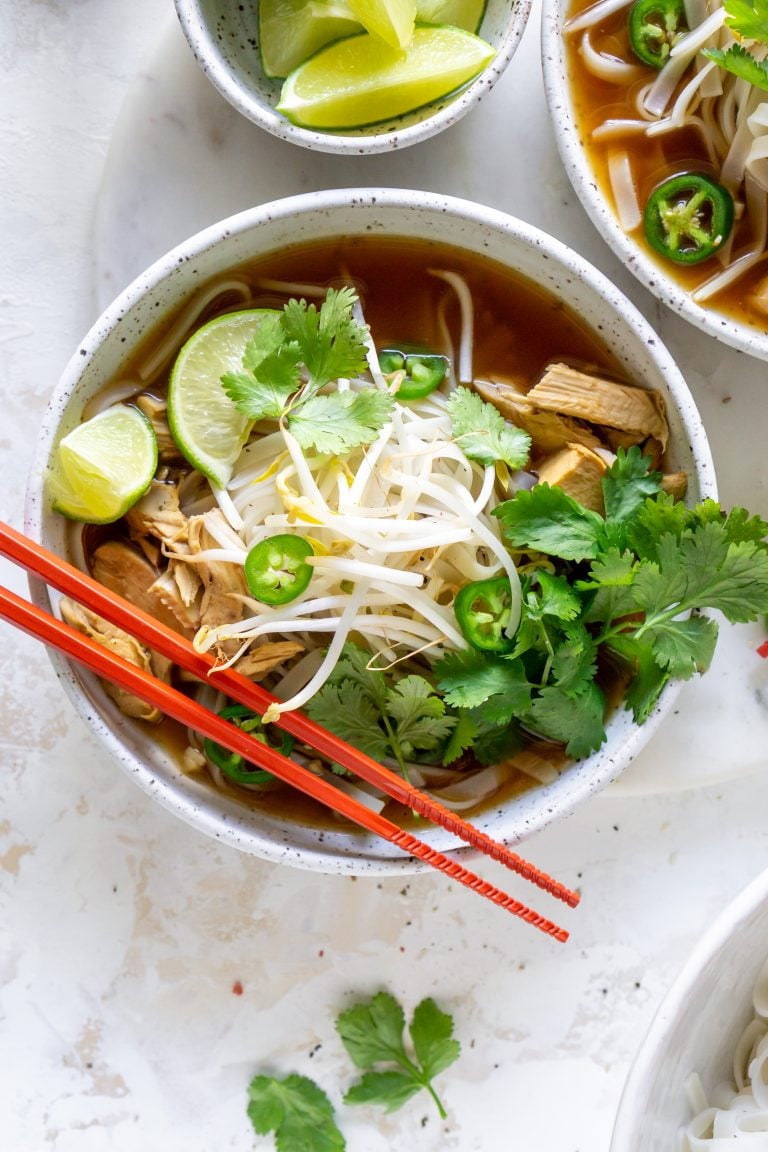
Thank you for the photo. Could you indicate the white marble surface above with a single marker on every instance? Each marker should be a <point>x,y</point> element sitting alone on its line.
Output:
<point>123,932</point>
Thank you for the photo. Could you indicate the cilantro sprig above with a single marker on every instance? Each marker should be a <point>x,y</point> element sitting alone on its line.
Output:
<point>400,719</point>
<point>299,1112</point>
<point>372,1034</point>
<point>292,357</point>
<point>627,589</point>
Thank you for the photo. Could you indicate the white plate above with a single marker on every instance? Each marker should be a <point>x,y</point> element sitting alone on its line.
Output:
<point>182,158</point>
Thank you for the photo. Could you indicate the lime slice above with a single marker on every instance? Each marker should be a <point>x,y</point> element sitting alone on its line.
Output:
<point>207,427</point>
<point>467,14</point>
<point>390,20</point>
<point>103,466</point>
<point>290,31</point>
<point>360,81</point>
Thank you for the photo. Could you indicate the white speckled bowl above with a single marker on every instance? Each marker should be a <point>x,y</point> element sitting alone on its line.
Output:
<point>288,222</point>
<point>745,337</point>
<point>224,36</point>
<point>696,1027</point>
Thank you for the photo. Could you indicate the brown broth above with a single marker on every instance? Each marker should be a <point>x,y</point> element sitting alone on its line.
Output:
<point>519,328</point>
<point>653,160</point>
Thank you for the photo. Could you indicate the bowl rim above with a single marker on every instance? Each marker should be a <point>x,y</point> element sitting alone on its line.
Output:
<point>573,155</point>
<point>633,1100</point>
<point>343,201</point>
<point>348,144</point>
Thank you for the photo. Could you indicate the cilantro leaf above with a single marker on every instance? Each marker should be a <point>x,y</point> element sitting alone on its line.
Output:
<point>432,1036</point>
<point>684,646</point>
<point>647,677</point>
<point>574,661</point>
<point>748,18</point>
<point>612,576</point>
<point>468,679</point>
<point>483,434</point>
<point>350,713</point>
<point>271,372</point>
<point>548,520</point>
<point>392,1089</point>
<point>338,422</point>
<point>627,484</point>
<point>556,597</point>
<point>372,1033</point>
<point>332,344</point>
<point>297,1111</point>
<point>419,714</point>
<point>740,61</point>
<point>573,720</point>
<point>462,737</point>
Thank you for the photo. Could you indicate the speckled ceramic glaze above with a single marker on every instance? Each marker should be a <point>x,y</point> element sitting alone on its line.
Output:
<point>697,1027</point>
<point>745,337</point>
<point>318,215</point>
<point>224,37</point>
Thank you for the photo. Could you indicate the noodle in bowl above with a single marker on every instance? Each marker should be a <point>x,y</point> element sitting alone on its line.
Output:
<point>689,98</point>
<point>481,234</point>
<point>701,1068</point>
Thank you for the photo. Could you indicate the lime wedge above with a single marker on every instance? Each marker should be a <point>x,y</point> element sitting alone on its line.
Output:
<point>467,14</point>
<point>290,31</point>
<point>360,81</point>
<point>391,20</point>
<point>209,430</point>
<point>103,466</point>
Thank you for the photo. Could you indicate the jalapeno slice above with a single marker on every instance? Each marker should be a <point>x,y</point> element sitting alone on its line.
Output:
<point>655,26</point>
<point>482,612</point>
<point>276,569</point>
<point>231,765</point>
<point>688,218</point>
<point>424,371</point>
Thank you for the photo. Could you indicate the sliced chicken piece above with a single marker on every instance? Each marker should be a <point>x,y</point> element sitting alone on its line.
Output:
<point>257,662</point>
<point>173,588</point>
<point>157,514</point>
<point>549,431</point>
<point>125,645</point>
<point>579,472</point>
<point>675,484</point>
<point>123,569</point>
<point>569,392</point>
<point>156,411</point>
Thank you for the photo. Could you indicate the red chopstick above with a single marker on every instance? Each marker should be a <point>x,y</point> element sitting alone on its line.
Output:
<point>109,665</point>
<point>70,580</point>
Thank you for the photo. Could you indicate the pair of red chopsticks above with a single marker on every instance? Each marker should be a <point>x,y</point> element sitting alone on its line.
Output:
<point>54,632</point>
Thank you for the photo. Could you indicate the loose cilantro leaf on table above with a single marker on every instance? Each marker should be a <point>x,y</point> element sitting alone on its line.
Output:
<point>483,434</point>
<point>372,1033</point>
<point>297,1111</point>
<point>292,356</point>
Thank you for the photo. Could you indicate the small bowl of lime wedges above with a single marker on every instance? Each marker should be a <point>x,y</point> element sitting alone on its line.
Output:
<point>353,76</point>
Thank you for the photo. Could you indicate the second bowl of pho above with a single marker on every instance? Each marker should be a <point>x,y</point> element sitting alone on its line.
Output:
<point>385,453</point>
<point>661,112</point>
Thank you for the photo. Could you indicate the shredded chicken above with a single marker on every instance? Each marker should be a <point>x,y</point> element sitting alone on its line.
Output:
<point>639,411</point>
<point>158,514</point>
<point>125,570</point>
<point>257,662</point>
<point>156,411</point>
<point>125,645</point>
<point>549,431</point>
<point>579,472</point>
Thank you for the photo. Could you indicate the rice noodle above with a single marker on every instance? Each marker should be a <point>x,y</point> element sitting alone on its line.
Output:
<point>611,69</point>
<point>747,258</point>
<point>624,190</point>
<point>107,397</point>
<point>592,16</point>
<point>466,351</point>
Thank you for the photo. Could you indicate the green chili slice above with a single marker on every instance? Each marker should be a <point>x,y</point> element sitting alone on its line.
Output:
<point>424,371</point>
<point>276,569</point>
<point>482,612</point>
<point>655,26</point>
<point>688,218</point>
<point>231,765</point>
